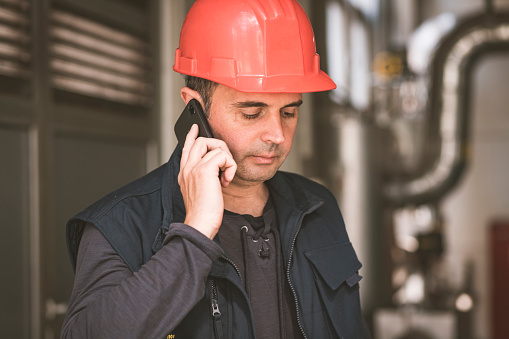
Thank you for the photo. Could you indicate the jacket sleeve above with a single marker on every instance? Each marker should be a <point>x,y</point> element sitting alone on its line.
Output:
<point>109,301</point>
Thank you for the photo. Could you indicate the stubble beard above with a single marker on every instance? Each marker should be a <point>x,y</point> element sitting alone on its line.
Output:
<point>257,173</point>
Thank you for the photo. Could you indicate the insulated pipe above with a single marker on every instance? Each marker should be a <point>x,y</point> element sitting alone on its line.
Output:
<point>450,69</point>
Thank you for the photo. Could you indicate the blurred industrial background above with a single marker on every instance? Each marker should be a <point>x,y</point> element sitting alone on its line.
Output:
<point>414,143</point>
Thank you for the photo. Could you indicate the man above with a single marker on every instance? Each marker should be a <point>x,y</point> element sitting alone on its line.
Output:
<point>217,243</point>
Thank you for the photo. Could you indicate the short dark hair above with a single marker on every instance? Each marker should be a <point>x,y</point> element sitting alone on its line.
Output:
<point>205,88</point>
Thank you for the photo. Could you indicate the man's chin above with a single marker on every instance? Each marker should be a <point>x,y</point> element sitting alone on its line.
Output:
<point>258,176</point>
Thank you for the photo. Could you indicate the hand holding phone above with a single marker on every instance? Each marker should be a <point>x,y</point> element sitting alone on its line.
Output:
<point>205,166</point>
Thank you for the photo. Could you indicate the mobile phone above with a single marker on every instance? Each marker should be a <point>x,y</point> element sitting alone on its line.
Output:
<point>192,114</point>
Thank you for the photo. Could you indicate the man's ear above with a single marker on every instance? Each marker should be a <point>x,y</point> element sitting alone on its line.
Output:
<point>187,94</point>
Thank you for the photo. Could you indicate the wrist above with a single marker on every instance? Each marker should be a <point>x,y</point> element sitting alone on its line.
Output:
<point>203,227</point>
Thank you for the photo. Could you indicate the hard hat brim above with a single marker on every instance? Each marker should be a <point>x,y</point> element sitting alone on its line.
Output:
<point>275,84</point>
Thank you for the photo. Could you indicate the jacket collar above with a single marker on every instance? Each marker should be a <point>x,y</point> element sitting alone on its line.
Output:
<point>173,202</point>
<point>292,202</point>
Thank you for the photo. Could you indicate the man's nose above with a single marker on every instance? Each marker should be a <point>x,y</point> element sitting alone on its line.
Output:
<point>273,129</point>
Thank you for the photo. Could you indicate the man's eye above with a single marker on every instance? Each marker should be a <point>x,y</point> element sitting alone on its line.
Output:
<point>288,114</point>
<point>250,116</point>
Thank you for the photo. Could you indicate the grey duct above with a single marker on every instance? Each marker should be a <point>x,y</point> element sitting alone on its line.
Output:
<point>448,107</point>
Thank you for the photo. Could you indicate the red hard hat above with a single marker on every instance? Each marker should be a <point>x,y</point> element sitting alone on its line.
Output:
<point>251,46</point>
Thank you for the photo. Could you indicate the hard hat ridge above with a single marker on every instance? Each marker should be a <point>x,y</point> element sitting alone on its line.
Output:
<point>251,46</point>
<point>274,7</point>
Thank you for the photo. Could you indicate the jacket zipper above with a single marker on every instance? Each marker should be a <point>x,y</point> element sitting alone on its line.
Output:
<point>299,322</point>
<point>234,266</point>
<point>216,314</point>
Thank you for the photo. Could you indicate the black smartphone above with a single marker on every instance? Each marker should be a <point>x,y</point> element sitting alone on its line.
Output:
<point>192,114</point>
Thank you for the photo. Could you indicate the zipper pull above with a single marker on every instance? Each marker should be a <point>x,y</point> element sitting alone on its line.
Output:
<point>215,310</point>
<point>216,315</point>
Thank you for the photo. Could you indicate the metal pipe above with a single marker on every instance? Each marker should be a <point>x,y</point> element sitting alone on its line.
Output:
<point>450,69</point>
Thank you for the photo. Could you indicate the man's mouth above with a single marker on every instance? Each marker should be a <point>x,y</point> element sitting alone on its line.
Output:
<point>264,158</point>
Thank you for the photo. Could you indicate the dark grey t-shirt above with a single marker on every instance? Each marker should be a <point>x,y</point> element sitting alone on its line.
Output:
<point>253,245</point>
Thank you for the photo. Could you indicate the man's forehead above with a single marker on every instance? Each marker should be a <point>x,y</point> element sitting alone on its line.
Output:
<point>237,99</point>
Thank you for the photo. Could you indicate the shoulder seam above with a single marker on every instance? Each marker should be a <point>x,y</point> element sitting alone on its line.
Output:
<point>110,205</point>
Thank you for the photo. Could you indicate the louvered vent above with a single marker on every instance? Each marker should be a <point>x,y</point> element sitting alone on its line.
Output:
<point>14,39</point>
<point>92,59</point>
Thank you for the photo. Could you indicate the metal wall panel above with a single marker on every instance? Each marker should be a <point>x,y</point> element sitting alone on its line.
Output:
<point>14,239</point>
<point>85,170</point>
<point>60,150</point>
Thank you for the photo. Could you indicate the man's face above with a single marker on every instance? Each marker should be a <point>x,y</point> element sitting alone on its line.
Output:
<point>257,127</point>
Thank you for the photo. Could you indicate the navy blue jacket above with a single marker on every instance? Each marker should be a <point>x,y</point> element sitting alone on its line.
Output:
<point>320,262</point>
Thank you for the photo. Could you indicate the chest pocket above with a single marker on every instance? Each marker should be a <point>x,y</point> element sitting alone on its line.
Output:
<point>336,277</point>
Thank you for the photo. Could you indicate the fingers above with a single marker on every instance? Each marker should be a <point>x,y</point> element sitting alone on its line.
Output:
<point>190,139</point>
<point>202,146</point>
<point>218,160</point>
<point>228,173</point>
<point>209,151</point>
